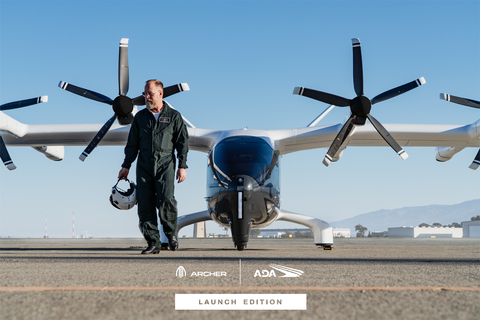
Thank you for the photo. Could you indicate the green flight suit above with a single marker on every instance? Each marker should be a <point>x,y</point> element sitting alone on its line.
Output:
<point>154,142</point>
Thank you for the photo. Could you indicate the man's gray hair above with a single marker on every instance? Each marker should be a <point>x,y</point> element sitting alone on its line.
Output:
<point>158,83</point>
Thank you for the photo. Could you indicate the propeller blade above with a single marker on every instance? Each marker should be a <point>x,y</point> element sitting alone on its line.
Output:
<point>387,137</point>
<point>85,93</point>
<point>476,162</point>
<point>322,96</point>
<point>462,101</point>
<point>138,101</point>
<point>98,137</point>
<point>339,139</point>
<point>23,103</point>
<point>123,78</point>
<point>7,161</point>
<point>357,67</point>
<point>398,90</point>
<point>168,91</point>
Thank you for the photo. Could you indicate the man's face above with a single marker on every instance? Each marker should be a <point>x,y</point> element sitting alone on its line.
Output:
<point>153,96</point>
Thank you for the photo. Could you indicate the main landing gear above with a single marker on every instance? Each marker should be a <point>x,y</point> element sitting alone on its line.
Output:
<point>325,246</point>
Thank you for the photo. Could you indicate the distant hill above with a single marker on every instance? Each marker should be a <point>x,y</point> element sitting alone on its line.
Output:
<point>381,220</point>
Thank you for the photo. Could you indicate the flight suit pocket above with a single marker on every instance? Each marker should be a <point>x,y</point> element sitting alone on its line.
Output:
<point>166,142</point>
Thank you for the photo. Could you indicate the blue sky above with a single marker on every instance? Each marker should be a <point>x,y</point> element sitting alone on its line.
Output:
<point>242,60</point>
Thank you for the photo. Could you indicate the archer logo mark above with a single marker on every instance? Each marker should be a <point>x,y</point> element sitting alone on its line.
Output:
<point>181,272</point>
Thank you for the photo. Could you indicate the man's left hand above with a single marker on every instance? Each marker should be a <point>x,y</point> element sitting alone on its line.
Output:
<point>181,174</point>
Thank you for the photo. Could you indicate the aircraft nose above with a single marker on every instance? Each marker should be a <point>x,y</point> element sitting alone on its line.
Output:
<point>245,182</point>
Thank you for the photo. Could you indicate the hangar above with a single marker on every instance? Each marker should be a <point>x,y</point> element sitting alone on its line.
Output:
<point>471,229</point>
<point>425,232</point>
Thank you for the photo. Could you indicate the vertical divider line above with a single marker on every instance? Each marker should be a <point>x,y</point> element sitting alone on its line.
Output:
<point>240,270</point>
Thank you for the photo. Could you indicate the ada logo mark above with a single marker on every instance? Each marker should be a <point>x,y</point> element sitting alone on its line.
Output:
<point>287,272</point>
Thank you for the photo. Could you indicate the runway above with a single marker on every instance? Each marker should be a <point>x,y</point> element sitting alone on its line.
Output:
<point>376,278</point>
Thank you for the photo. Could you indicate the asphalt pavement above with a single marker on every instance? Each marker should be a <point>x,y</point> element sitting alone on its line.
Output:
<point>371,278</point>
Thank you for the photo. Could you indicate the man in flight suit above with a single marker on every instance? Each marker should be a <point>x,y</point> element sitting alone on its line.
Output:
<point>156,132</point>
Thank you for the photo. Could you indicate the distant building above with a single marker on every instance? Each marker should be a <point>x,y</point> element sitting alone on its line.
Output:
<point>341,232</point>
<point>425,232</point>
<point>216,235</point>
<point>379,234</point>
<point>471,229</point>
<point>271,234</point>
<point>280,233</point>
<point>199,230</point>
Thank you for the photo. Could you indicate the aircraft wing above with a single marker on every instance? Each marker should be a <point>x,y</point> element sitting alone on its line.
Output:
<point>38,135</point>
<point>408,135</point>
<point>287,141</point>
<point>62,135</point>
<point>202,139</point>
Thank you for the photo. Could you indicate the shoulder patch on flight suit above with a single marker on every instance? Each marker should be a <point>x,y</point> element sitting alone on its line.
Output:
<point>164,120</point>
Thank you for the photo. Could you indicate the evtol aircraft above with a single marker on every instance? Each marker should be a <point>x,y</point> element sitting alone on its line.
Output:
<point>243,168</point>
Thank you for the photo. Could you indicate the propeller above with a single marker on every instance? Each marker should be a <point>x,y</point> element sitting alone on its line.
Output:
<point>469,103</point>
<point>122,105</point>
<point>360,106</point>
<point>7,161</point>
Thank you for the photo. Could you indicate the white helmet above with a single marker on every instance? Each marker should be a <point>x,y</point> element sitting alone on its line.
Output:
<point>124,200</point>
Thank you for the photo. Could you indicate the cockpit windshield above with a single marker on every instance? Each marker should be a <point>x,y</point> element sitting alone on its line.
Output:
<point>251,156</point>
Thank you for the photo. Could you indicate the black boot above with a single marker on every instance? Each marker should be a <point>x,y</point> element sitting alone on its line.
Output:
<point>173,243</point>
<point>151,250</point>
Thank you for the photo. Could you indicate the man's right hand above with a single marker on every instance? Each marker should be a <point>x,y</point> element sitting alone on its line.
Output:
<point>123,174</point>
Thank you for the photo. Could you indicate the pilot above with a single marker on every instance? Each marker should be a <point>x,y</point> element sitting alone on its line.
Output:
<point>156,133</point>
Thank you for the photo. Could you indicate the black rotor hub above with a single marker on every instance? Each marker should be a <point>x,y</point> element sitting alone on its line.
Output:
<point>122,106</point>
<point>361,106</point>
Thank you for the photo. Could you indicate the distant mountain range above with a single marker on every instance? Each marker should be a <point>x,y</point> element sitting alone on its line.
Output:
<point>381,220</point>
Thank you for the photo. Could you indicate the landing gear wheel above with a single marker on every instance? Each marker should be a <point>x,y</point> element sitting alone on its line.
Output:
<point>240,248</point>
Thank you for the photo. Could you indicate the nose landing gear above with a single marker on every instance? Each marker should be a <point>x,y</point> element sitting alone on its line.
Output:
<point>241,247</point>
